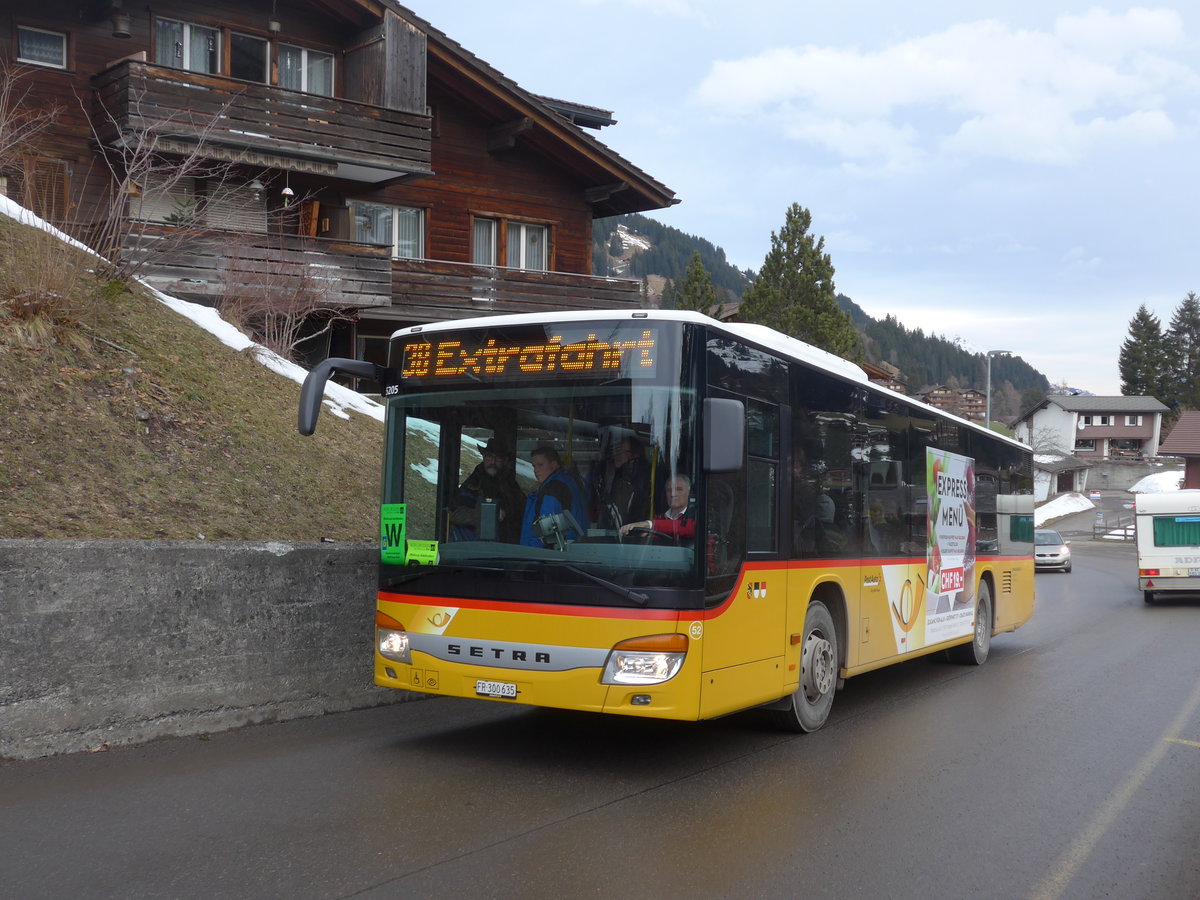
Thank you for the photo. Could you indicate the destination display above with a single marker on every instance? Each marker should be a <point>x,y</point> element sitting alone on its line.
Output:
<point>626,353</point>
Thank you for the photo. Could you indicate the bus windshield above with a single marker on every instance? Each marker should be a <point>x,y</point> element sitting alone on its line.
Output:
<point>545,455</point>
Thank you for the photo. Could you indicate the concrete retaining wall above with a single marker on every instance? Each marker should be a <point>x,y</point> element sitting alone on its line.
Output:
<point>1121,474</point>
<point>116,642</point>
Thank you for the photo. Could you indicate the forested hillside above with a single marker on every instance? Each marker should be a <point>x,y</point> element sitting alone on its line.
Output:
<point>668,254</point>
<point>634,246</point>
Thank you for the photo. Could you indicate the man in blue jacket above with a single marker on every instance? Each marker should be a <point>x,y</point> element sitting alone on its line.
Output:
<point>557,491</point>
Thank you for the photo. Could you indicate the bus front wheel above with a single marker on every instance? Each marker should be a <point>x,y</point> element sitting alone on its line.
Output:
<point>976,652</point>
<point>808,708</point>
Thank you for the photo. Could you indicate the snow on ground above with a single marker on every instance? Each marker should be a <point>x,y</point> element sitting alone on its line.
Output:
<point>1059,507</point>
<point>337,398</point>
<point>1158,483</point>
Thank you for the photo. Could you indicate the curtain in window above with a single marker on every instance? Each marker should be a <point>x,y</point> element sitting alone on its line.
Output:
<point>320,73</point>
<point>204,50</point>
<point>409,243</point>
<point>483,242</point>
<point>372,222</point>
<point>291,68</point>
<point>1176,531</point>
<point>168,43</point>
<point>40,47</point>
<point>527,247</point>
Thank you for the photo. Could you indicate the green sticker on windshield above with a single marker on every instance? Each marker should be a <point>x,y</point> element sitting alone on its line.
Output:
<point>391,533</point>
<point>422,553</point>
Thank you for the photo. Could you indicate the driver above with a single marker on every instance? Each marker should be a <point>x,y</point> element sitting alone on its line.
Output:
<point>678,521</point>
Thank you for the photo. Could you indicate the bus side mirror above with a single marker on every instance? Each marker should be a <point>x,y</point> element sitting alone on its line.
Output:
<point>313,389</point>
<point>724,434</point>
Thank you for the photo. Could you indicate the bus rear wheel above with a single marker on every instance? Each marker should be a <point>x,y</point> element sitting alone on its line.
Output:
<point>976,652</point>
<point>808,708</point>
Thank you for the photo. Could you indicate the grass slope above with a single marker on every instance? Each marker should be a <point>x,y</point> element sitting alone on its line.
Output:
<point>150,428</point>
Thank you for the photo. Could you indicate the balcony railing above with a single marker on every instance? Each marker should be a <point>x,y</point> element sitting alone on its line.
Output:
<point>207,265</point>
<point>239,121</point>
<point>432,291</point>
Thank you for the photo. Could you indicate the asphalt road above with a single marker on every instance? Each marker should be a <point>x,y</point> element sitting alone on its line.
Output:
<point>1066,767</point>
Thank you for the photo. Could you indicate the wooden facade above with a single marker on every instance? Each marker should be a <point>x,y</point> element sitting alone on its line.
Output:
<point>369,153</point>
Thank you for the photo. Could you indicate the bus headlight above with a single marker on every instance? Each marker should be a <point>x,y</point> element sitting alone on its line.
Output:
<point>391,639</point>
<point>646,660</point>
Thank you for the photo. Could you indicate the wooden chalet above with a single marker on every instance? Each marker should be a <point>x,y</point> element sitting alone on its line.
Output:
<point>359,149</point>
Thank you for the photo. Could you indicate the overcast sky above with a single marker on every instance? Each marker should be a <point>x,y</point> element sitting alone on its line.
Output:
<point>1022,175</point>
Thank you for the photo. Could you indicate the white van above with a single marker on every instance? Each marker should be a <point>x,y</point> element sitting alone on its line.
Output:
<point>1168,542</point>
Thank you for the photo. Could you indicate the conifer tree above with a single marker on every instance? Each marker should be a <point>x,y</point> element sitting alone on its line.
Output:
<point>1142,359</point>
<point>1182,350</point>
<point>696,291</point>
<point>794,290</point>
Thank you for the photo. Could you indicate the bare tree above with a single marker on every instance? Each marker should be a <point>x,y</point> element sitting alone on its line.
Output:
<point>280,295</point>
<point>147,174</point>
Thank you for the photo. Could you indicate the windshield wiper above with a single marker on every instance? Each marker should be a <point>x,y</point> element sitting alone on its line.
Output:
<point>422,571</point>
<point>628,593</point>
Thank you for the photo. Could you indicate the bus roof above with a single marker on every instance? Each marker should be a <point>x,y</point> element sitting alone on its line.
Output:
<point>767,338</point>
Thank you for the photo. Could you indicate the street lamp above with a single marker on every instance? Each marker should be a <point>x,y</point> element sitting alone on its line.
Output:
<point>988,393</point>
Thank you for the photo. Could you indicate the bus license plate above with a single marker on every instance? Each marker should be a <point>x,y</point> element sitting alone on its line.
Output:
<point>495,689</point>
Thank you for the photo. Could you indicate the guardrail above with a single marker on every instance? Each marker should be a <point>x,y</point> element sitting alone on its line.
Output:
<point>1120,528</point>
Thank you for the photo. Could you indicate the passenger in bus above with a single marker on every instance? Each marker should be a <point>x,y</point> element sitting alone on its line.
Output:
<point>678,521</point>
<point>820,533</point>
<point>883,529</point>
<point>558,491</point>
<point>495,480</point>
<point>622,491</point>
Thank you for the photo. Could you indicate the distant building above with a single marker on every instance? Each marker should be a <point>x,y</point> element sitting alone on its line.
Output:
<point>886,375</point>
<point>1184,441</point>
<point>965,402</point>
<point>1093,427</point>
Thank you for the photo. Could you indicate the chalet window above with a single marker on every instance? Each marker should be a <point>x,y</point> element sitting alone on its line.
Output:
<point>301,69</point>
<point>41,48</point>
<point>163,199</point>
<point>483,241</point>
<point>1133,420</point>
<point>1104,420</point>
<point>248,56</point>
<point>237,208</point>
<point>527,246</point>
<point>183,45</point>
<point>1085,444</point>
<point>401,226</point>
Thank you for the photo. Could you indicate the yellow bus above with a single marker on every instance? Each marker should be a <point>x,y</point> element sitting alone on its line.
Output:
<point>714,517</point>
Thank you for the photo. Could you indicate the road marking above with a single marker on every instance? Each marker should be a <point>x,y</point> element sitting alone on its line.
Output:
<point>1074,857</point>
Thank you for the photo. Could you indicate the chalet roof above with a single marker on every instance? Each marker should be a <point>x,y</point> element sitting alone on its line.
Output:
<point>619,186</point>
<point>579,113</point>
<point>1184,439</point>
<point>1057,463</point>
<point>1080,403</point>
<point>1084,404</point>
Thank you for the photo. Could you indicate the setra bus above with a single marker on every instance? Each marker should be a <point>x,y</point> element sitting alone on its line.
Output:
<point>835,527</point>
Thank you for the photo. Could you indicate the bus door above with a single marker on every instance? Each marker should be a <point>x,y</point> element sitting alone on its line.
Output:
<point>891,588</point>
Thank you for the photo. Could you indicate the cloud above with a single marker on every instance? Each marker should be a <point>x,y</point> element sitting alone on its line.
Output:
<point>679,9</point>
<point>976,89</point>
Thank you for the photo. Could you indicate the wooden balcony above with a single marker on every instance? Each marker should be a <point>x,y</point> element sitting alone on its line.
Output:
<point>207,265</point>
<point>425,290</point>
<point>256,124</point>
